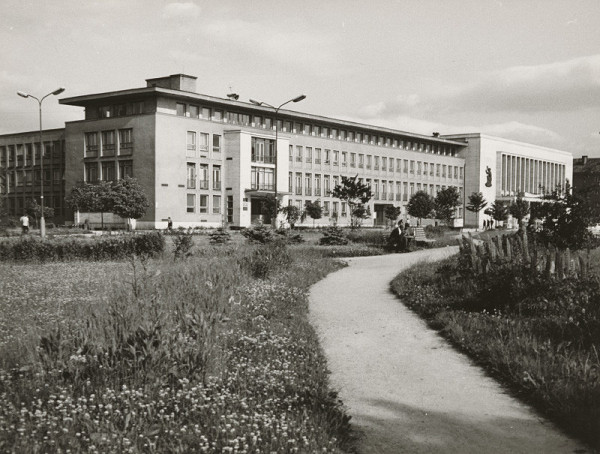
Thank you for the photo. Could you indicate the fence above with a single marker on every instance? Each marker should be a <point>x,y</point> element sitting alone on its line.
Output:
<point>492,254</point>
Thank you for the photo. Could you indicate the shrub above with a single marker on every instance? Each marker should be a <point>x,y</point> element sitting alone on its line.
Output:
<point>370,237</point>
<point>290,237</point>
<point>220,236</point>
<point>259,234</point>
<point>183,246</point>
<point>333,236</point>
<point>55,249</point>
<point>266,259</point>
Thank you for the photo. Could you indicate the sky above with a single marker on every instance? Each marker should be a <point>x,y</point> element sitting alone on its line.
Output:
<point>525,70</point>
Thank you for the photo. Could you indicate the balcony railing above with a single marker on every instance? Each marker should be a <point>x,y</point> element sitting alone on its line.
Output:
<point>317,191</point>
<point>264,159</point>
<point>190,146</point>
<point>298,191</point>
<point>262,187</point>
<point>398,197</point>
<point>307,191</point>
<point>217,185</point>
<point>191,183</point>
<point>391,197</point>
<point>202,184</point>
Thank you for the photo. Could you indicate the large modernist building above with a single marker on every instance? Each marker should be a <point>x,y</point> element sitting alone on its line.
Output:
<point>205,161</point>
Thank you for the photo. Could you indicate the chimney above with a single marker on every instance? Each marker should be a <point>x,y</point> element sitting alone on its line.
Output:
<point>436,134</point>
<point>181,82</point>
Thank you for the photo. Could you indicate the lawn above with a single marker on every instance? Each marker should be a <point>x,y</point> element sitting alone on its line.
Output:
<point>164,355</point>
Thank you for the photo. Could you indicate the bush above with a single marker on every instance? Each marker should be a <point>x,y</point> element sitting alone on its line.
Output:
<point>370,237</point>
<point>183,245</point>
<point>333,236</point>
<point>220,236</point>
<point>436,230</point>
<point>266,259</point>
<point>289,237</point>
<point>53,249</point>
<point>259,234</point>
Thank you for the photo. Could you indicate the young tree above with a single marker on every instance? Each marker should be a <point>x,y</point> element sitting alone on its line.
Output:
<point>268,206</point>
<point>129,200</point>
<point>498,211</point>
<point>356,194</point>
<point>313,209</point>
<point>34,209</point>
<point>292,214</point>
<point>519,209</point>
<point>446,202</point>
<point>92,198</point>
<point>392,213</point>
<point>476,202</point>
<point>420,205</point>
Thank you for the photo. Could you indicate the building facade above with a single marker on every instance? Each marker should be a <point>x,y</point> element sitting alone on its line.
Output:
<point>209,161</point>
<point>21,171</point>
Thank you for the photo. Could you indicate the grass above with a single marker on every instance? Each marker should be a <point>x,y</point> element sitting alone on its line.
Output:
<point>540,336</point>
<point>166,356</point>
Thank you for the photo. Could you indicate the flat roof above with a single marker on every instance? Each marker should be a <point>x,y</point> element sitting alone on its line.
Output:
<point>35,131</point>
<point>86,100</point>
<point>502,139</point>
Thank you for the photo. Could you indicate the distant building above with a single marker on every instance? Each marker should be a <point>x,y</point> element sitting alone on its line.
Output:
<point>205,160</point>
<point>586,181</point>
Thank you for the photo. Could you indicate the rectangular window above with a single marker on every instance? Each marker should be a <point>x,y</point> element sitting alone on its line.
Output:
<point>291,152</point>
<point>216,178</point>
<point>193,111</point>
<point>108,171</point>
<point>125,169</point>
<point>205,113</point>
<point>334,133</point>
<point>256,121</point>
<point>336,181</point>
<point>344,211</point>
<point>216,143</point>
<point>317,185</point>
<point>405,191</point>
<point>316,131</point>
<point>298,184</point>
<point>384,164</point>
<point>91,144</point>
<point>425,168</point>
<point>191,175</point>
<point>352,159</point>
<point>419,165</point>
<point>342,134</point>
<point>309,156</point>
<point>91,172</point>
<point>217,115</point>
<point>326,185</point>
<point>298,153</point>
<point>412,167</point>
<point>307,184</point>
<point>317,156</point>
<point>361,161</point>
<point>460,173</point>
<point>335,208</point>
<point>203,144</point>
<point>191,203</point>
<point>191,144</point>
<point>180,109</point>
<point>203,203</point>
<point>444,171</point>
<point>351,136</point>
<point>431,169</point>
<point>344,159</point>
<point>216,204</point>
<point>327,156</point>
<point>437,170</point>
<point>326,208</point>
<point>359,136</point>
<point>376,163</point>
<point>108,143</point>
<point>369,158</point>
<point>125,141</point>
<point>336,157</point>
<point>307,129</point>
<point>262,178</point>
<point>325,131</point>
<point>263,150</point>
<point>203,181</point>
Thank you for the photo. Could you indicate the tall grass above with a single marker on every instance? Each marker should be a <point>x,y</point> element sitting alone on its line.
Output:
<point>539,335</point>
<point>197,355</point>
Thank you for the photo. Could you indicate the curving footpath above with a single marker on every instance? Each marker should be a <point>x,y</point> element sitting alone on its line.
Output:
<point>406,389</point>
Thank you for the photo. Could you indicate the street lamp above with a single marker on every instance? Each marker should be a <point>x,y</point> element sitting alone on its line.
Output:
<point>259,103</point>
<point>58,91</point>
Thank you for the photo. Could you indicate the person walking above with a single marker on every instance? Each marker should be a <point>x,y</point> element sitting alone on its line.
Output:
<point>24,224</point>
<point>396,238</point>
<point>169,223</point>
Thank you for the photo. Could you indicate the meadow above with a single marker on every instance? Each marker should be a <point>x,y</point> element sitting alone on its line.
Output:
<point>538,333</point>
<point>209,353</point>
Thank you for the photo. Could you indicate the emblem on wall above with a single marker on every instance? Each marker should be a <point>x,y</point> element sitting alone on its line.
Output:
<point>488,175</point>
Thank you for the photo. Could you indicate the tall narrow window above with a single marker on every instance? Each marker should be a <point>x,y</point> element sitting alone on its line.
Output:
<point>108,171</point>
<point>181,109</point>
<point>203,181</point>
<point>125,141</point>
<point>125,169</point>
<point>216,204</point>
<point>191,144</point>
<point>203,144</point>
<point>216,143</point>
<point>91,144</point>
<point>203,203</point>
<point>108,143</point>
<point>191,203</point>
<point>217,178</point>
<point>191,175</point>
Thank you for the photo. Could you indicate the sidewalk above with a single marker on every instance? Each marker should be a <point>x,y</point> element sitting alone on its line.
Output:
<point>406,389</point>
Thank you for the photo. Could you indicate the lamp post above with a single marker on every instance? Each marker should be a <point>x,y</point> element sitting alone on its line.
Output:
<point>260,103</point>
<point>58,91</point>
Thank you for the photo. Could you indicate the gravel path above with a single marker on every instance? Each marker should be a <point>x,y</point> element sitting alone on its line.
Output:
<point>406,389</point>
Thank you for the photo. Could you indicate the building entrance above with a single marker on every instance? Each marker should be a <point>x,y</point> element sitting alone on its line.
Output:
<point>259,211</point>
<point>380,219</point>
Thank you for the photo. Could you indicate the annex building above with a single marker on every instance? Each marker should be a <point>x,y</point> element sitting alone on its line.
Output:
<point>206,161</point>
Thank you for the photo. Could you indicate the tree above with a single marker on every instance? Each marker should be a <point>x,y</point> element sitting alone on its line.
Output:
<point>565,218</point>
<point>268,206</point>
<point>420,205</point>
<point>34,209</point>
<point>392,213</point>
<point>91,198</point>
<point>519,209</point>
<point>498,211</point>
<point>446,202</point>
<point>476,202</point>
<point>313,209</point>
<point>128,199</point>
<point>292,214</point>
<point>356,194</point>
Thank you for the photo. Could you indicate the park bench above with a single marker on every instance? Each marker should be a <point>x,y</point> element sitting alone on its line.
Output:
<point>419,236</point>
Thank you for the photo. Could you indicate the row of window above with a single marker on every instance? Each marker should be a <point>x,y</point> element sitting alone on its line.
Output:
<point>108,170</point>
<point>350,135</point>
<point>203,207</point>
<point>29,154</point>
<point>105,143</point>
<point>121,110</point>
<point>16,205</point>
<point>20,178</point>
<point>200,143</point>
<point>309,184</point>
<point>197,176</point>
<point>344,159</point>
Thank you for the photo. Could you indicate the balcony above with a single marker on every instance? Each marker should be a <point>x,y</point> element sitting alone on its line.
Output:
<point>390,196</point>
<point>307,191</point>
<point>191,183</point>
<point>263,159</point>
<point>317,191</point>
<point>216,185</point>
<point>398,197</point>
<point>298,191</point>
<point>262,187</point>
<point>203,184</point>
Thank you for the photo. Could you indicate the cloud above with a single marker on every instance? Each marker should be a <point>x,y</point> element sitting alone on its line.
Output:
<point>309,49</point>
<point>563,86</point>
<point>186,10</point>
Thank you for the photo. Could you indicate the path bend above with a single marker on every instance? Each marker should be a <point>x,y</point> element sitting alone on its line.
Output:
<point>406,389</point>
